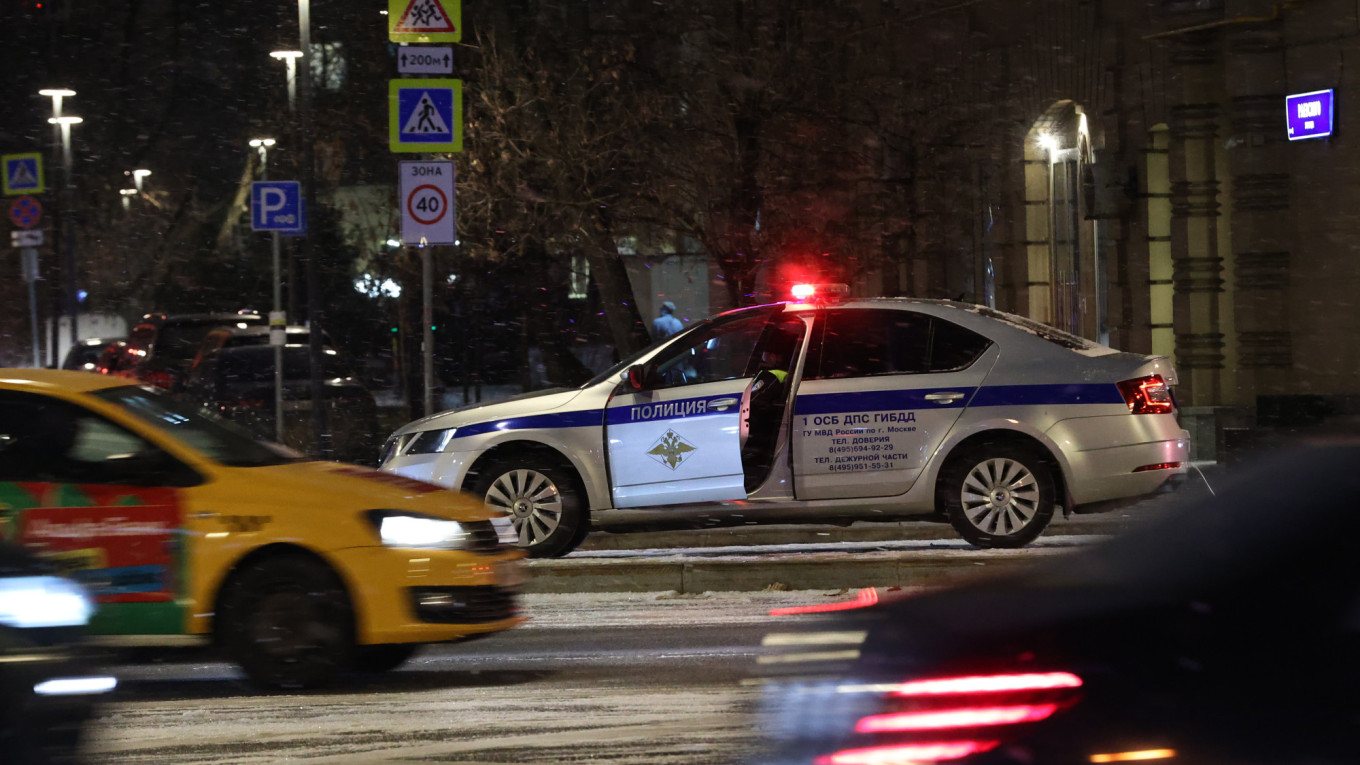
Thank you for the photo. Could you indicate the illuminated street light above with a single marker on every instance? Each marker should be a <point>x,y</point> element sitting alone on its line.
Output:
<point>61,132</point>
<point>290,58</point>
<point>137,176</point>
<point>261,145</point>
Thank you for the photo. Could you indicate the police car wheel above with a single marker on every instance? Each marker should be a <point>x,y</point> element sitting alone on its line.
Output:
<point>543,504</point>
<point>288,622</point>
<point>998,495</point>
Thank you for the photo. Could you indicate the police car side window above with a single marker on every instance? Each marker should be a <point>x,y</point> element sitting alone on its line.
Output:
<point>952,347</point>
<point>865,343</point>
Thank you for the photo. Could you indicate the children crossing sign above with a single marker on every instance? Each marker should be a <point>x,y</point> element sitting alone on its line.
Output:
<point>424,21</point>
<point>425,115</point>
<point>22,174</point>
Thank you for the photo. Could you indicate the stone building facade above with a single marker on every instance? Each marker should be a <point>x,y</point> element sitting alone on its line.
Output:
<point>1122,170</point>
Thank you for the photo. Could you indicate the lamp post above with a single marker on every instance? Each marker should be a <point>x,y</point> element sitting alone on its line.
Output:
<point>137,176</point>
<point>279,337</point>
<point>68,248</point>
<point>127,195</point>
<point>323,438</point>
<point>289,57</point>
<point>57,95</point>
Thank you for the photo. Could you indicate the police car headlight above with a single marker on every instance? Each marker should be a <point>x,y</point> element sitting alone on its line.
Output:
<point>43,601</point>
<point>431,441</point>
<point>397,529</point>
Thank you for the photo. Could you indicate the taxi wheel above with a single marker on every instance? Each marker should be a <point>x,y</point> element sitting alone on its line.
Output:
<point>383,658</point>
<point>288,622</point>
<point>997,495</point>
<point>543,503</point>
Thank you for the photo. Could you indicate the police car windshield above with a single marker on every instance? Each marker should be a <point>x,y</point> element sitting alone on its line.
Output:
<point>617,369</point>
<point>214,439</point>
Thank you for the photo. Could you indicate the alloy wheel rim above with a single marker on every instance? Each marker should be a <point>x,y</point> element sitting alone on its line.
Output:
<point>1000,496</point>
<point>532,501</point>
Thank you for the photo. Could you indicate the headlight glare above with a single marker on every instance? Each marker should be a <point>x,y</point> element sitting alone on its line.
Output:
<point>412,530</point>
<point>43,601</point>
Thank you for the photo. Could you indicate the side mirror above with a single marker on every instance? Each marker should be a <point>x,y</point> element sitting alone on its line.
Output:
<point>641,376</point>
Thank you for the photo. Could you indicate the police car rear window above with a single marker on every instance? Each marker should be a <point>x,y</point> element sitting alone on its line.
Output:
<point>1043,331</point>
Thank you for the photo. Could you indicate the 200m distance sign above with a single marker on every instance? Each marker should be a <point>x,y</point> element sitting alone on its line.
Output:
<point>427,203</point>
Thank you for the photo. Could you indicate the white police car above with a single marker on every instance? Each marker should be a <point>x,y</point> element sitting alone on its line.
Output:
<point>822,410</point>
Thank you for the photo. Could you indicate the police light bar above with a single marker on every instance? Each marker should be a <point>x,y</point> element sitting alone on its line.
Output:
<point>820,293</point>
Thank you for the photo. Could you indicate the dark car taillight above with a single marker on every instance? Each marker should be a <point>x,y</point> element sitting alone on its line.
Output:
<point>1147,395</point>
<point>950,718</point>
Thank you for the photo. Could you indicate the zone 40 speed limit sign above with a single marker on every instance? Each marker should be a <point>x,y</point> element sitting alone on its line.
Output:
<point>427,203</point>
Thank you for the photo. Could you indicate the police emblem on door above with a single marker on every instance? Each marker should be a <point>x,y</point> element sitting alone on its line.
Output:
<point>671,450</point>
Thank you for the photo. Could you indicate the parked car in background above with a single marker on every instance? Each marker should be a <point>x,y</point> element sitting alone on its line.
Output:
<point>821,409</point>
<point>237,383</point>
<point>189,531</point>
<point>160,347</point>
<point>47,688</point>
<point>255,334</point>
<point>1226,631</point>
<point>84,355</point>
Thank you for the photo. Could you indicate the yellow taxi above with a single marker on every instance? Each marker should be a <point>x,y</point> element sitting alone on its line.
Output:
<point>187,530</point>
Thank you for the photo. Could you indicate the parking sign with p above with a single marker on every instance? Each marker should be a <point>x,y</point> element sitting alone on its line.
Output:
<point>275,205</point>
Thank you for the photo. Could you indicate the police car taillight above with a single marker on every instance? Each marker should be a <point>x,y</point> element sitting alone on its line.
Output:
<point>819,293</point>
<point>1147,395</point>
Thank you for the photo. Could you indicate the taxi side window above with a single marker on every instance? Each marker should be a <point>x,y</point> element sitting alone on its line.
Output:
<point>725,351</point>
<point>45,440</point>
<point>865,343</point>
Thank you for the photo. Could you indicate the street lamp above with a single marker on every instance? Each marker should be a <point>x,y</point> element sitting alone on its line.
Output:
<point>261,146</point>
<point>63,125</point>
<point>137,176</point>
<point>290,58</point>
<point>277,321</point>
<point>127,195</point>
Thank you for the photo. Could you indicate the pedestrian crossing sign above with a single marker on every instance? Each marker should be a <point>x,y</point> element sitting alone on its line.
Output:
<point>425,115</point>
<point>424,21</point>
<point>23,174</point>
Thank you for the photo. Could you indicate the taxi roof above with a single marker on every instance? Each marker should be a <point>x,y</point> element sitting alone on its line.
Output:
<point>64,379</point>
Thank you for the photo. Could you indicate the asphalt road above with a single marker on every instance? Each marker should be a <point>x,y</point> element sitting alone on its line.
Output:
<point>647,679</point>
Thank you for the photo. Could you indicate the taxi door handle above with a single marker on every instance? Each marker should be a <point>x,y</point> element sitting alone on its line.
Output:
<point>946,397</point>
<point>723,403</point>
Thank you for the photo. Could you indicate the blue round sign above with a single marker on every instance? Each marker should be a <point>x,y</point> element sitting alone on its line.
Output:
<point>25,212</point>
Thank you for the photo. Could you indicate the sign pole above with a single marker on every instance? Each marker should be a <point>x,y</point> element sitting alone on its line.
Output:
<point>28,263</point>
<point>427,326</point>
<point>277,337</point>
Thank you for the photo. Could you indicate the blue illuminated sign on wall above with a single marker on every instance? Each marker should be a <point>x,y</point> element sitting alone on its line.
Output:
<point>1309,115</point>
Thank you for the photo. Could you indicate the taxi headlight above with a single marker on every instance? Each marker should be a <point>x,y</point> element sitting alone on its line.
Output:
<point>401,529</point>
<point>431,441</point>
<point>43,601</point>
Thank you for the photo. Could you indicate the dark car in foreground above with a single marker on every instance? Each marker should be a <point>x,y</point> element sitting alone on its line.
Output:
<point>237,383</point>
<point>46,689</point>
<point>1226,631</point>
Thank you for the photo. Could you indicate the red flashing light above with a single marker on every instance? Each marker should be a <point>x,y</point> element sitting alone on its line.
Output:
<point>972,717</point>
<point>1147,395</point>
<point>819,293</point>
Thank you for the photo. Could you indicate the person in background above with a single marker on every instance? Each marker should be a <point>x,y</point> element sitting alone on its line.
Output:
<point>665,324</point>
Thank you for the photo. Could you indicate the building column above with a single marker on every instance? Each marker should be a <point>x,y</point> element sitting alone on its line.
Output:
<point>1261,222</point>
<point>1197,263</point>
